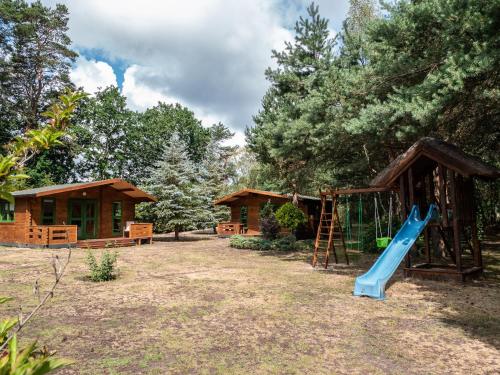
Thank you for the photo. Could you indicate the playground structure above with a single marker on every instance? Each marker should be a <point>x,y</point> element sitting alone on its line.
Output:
<point>431,174</point>
<point>330,225</point>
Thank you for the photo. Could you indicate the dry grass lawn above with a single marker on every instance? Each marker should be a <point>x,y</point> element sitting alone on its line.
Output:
<point>202,307</point>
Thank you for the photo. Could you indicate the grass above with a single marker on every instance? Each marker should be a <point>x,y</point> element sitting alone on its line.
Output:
<point>202,307</point>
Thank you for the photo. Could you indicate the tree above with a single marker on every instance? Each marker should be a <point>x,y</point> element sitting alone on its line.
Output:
<point>26,146</point>
<point>290,216</point>
<point>102,130</point>
<point>175,181</point>
<point>293,110</point>
<point>147,137</point>
<point>215,170</point>
<point>35,59</point>
<point>269,226</point>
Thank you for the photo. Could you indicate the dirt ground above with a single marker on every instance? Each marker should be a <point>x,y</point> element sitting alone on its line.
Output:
<point>201,307</point>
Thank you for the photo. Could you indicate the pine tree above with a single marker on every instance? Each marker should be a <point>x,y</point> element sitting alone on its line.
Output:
<point>293,109</point>
<point>215,170</point>
<point>175,181</point>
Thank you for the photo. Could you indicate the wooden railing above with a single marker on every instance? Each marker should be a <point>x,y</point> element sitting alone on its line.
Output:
<point>47,235</point>
<point>228,228</point>
<point>141,230</point>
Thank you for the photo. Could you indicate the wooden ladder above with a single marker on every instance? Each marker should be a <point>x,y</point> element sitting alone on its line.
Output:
<point>325,236</point>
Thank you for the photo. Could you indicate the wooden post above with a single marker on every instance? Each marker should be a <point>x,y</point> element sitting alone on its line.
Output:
<point>456,226</point>
<point>331,245</point>
<point>429,195</point>
<point>476,244</point>
<point>342,235</point>
<point>411,202</point>
<point>404,212</point>
<point>101,213</point>
<point>442,194</point>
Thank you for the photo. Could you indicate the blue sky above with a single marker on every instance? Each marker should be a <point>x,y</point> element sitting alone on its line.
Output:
<point>209,55</point>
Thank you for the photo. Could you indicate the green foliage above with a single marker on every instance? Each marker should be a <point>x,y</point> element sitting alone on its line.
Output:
<point>103,131</point>
<point>24,147</point>
<point>424,68</point>
<point>269,226</point>
<point>27,361</point>
<point>106,270</point>
<point>35,59</point>
<point>290,216</point>
<point>286,243</point>
<point>175,181</point>
<point>252,243</point>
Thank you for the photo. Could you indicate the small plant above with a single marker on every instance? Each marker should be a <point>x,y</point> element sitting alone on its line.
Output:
<point>104,271</point>
<point>269,226</point>
<point>290,216</point>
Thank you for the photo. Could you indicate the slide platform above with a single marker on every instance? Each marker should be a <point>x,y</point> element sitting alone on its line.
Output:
<point>372,283</point>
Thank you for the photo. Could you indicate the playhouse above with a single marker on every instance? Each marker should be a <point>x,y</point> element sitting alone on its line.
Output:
<point>435,184</point>
<point>432,171</point>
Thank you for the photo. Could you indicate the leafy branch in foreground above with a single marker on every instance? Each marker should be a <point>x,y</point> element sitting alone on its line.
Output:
<point>31,359</point>
<point>24,147</point>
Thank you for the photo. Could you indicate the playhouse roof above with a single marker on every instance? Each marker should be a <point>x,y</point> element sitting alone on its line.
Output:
<point>227,199</point>
<point>115,183</point>
<point>440,151</point>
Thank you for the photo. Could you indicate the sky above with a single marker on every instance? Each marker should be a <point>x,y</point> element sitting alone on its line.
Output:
<point>208,55</point>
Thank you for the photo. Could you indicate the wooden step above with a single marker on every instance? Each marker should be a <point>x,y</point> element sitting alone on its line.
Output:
<point>105,243</point>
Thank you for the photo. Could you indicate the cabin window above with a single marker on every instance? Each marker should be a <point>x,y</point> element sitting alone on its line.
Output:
<point>117,217</point>
<point>48,211</point>
<point>6,212</point>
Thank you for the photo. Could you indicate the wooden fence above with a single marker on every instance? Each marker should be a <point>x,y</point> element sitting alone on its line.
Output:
<point>48,235</point>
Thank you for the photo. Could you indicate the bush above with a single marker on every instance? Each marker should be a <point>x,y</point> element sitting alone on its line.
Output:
<point>252,243</point>
<point>290,216</point>
<point>104,271</point>
<point>269,226</point>
<point>286,243</point>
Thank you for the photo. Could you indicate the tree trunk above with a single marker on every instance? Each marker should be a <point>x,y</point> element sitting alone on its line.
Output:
<point>176,234</point>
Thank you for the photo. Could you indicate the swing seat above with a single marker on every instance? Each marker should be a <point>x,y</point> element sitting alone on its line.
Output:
<point>383,242</point>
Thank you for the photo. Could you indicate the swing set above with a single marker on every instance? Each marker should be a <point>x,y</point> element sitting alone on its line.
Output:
<point>330,228</point>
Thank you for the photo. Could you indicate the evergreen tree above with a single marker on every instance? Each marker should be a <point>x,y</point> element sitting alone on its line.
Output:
<point>216,170</point>
<point>175,181</point>
<point>293,110</point>
<point>35,59</point>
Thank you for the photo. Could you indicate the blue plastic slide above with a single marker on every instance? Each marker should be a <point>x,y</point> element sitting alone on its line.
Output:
<point>372,283</point>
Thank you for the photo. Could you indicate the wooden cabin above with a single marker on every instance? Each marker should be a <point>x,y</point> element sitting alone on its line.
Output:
<point>245,208</point>
<point>88,214</point>
<point>434,171</point>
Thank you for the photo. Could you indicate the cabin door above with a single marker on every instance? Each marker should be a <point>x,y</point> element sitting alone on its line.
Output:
<point>83,213</point>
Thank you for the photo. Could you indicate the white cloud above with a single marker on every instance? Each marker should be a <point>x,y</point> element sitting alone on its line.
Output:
<point>209,55</point>
<point>92,74</point>
<point>139,95</point>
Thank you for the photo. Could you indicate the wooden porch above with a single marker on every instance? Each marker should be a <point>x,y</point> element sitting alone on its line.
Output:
<point>67,235</point>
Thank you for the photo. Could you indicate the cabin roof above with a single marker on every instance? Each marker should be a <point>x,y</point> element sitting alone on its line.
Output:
<point>115,183</point>
<point>227,199</point>
<point>440,151</point>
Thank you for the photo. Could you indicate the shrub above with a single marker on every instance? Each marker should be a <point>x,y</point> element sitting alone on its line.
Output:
<point>286,243</point>
<point>252,243</point>
<point>269,226</point>
<point>104,271</point>
<point>290,216</point>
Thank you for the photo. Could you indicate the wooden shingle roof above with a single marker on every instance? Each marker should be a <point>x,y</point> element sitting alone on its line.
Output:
<point>440,151</point>
<point>115,183</point>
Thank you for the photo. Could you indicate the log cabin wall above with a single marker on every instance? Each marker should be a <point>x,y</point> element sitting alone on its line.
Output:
<point>17,231</point>
<point>254,204</point>
<point>103,195</point>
